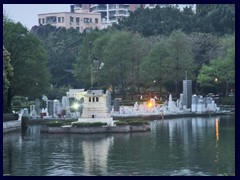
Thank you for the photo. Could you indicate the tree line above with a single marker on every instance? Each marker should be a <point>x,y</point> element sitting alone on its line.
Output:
<point>152,50</point>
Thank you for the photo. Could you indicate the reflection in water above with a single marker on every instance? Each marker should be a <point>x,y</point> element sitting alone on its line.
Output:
<point>217,139</point>
<point>183,146</point>
<point>96,154</point>
<point>217,134</point>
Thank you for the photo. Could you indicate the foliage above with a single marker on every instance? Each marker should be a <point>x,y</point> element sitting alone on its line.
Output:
<point>82,64</point>
<point>217,19</point>
<point>220,73</point>
<point>7,76</point>
<point>28,59</point>
<point>131,122</point>
<point>7,70</point>
<point>228,100</point>
<point>62,46</point>
<point>58,122</point>
<point>57,92</point>
<point>168,61</point>
<point>85,124</point>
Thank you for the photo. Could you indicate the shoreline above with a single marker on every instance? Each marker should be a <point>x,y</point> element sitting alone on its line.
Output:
<point>140,117</point>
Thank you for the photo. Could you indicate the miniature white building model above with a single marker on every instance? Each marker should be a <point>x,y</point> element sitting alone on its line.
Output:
<point>96,107</point>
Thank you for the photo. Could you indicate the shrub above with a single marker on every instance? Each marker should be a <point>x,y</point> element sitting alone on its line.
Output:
<point>228,101</point>
<point>131,122</point>
<point>86,124</point>
<point>54,123</point>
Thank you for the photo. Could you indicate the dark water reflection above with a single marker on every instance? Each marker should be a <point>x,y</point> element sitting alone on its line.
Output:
<point>185,146</point>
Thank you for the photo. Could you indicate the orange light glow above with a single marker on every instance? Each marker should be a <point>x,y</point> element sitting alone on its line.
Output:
<point>150,105</point>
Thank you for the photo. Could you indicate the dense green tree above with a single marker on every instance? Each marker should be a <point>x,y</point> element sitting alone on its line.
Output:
<point>180,61</point>
<point>157,21</point>
<point>82,65</point>
<point>220,74</point>
<point>153,68</point>
<point>62,46</point>
<point>216,18</point>
<point>7,70</point>
<point>30,75</point>
<point>117,60</point>
<point>7,75</point>
<point>204,47</point>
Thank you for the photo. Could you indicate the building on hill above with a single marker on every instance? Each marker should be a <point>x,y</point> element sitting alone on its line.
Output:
<point>77,20</point>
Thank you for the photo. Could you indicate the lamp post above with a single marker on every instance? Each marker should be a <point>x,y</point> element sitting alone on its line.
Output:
<point>96,65</point>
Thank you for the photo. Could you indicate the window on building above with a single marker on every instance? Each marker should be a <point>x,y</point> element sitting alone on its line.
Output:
<point>39,21</point>
<point>96,20</point>
<point>71,19</point>
<point>93,99</point>
<point>96,99</point>
<point>51,20</point>
<point>87,20</point>
<point>89,99</point>
<point>43,20</point>
<point>62,19</point>
<point>59,19</point>
<point>77,20</point>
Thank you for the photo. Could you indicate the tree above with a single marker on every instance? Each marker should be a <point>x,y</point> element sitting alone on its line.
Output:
<point>62,46</point>
<point>30,75</point>
<point>82,65</point>
<point>154,66</point>
<point>117,58</point>
<point>180,59</point>
<point>204,47</point>
<point>7,75</point>
<point>216,18</point>
<point>7,70</point>
<point>219,75</point>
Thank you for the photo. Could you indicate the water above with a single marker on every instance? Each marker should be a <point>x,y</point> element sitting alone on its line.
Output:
<point>185,146</point>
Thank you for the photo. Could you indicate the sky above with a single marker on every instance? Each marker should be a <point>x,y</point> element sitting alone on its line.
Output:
<point>27,14</point>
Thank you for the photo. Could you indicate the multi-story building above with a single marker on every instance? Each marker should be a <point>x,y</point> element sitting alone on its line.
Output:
<point>77,20</point>
<point>111,13</point>
<point>79,8</point>
<point>180,6</point>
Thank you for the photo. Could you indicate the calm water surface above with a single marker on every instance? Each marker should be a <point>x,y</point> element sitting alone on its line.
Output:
<point>184,146</point>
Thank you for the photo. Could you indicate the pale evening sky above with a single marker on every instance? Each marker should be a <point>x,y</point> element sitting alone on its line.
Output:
<point>27,13</point>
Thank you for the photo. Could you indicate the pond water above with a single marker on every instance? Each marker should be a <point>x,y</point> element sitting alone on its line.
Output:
<point>201,146</point>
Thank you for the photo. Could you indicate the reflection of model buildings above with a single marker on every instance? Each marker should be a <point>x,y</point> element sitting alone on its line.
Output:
<point>96,154</point>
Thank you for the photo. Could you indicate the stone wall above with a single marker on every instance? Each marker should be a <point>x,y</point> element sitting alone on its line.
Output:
<point>90,130</point>
<point>11,126</point>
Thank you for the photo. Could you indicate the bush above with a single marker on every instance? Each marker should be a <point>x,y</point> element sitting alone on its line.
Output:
<point>131,122</point>
<point>58,122</point>
<point>228,101</point>
<point>121,123</point>
<point>85,124</point>
<point>54,123</point>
